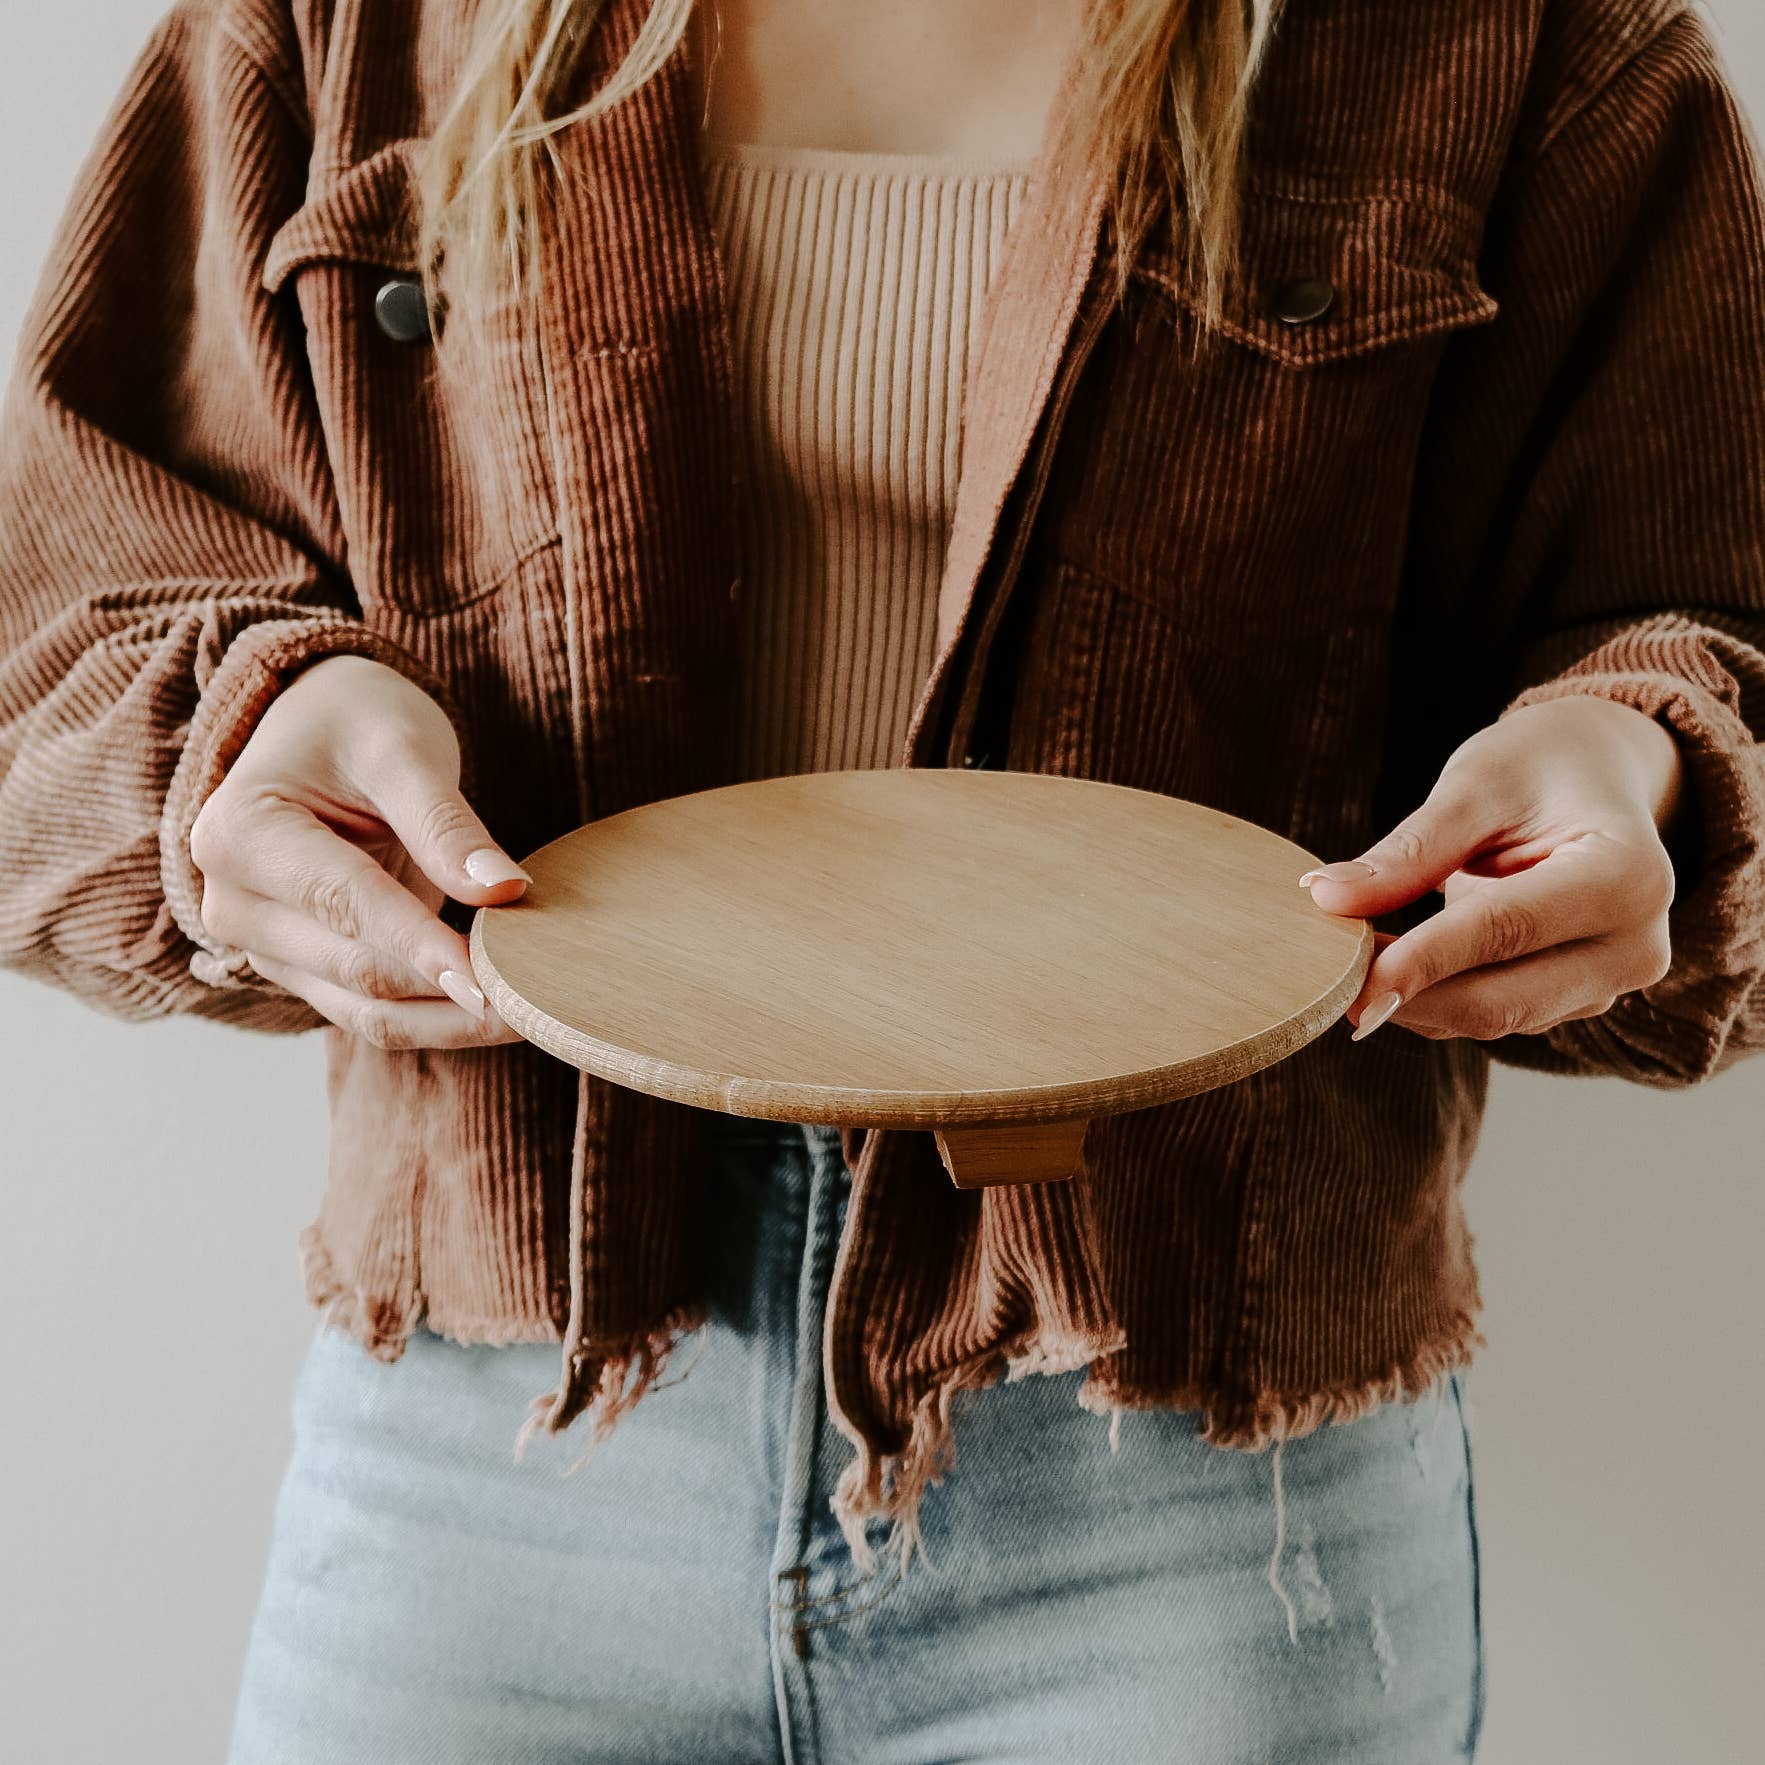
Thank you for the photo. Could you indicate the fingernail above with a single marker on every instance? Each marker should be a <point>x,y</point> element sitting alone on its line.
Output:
<point>1349,870</point>
<point>489,866</point>
<point>462,992</point>
<point>1371,1020</point>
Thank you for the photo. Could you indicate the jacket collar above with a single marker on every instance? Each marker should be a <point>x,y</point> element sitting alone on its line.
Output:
<point>1027,322</point>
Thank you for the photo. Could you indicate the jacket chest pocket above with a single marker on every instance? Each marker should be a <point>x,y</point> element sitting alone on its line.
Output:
<point>1213,576</point>
<point>1262,478</point>
<point>439,438</point>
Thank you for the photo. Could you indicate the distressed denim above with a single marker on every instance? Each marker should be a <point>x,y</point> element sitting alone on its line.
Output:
<point>687,1595</point>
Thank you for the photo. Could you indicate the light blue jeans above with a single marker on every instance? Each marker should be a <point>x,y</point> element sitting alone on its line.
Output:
<point>687,1595</point>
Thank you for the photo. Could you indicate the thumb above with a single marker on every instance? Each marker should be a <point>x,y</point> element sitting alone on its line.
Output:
<point>1440,836</point>
<point>444,836</point>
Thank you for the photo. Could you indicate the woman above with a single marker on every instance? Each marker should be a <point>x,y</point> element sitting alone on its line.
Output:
<point>441,425</point>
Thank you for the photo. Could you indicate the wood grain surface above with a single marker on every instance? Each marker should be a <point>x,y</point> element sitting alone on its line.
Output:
<point>920,947</point>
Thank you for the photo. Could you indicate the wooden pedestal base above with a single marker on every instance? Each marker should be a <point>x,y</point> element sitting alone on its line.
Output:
<point>1037,1152</point>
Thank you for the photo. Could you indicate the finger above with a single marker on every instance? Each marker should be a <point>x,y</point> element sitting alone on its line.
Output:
<point>1524,997</point>
<point>388,1023</point>
<point>290,857</point>
<point>267,928</point>
<point>441,830</point>
<point>1456,823</point>
<point>1579,891</point>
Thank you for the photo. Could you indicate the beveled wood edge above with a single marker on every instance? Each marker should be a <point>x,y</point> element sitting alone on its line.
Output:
<point>846,1106</point>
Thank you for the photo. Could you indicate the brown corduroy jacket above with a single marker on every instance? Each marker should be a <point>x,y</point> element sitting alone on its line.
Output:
<point>1522,453</point>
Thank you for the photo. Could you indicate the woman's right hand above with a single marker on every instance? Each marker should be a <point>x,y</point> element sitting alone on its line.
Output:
<point>327,849</point>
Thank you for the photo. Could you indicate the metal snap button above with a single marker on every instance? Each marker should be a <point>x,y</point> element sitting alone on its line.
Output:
<point>401,311</point>
<point>1300,301</point>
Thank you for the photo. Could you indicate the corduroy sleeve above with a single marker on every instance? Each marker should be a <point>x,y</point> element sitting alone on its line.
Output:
<point>1623,393</point>
<point>168,530</point>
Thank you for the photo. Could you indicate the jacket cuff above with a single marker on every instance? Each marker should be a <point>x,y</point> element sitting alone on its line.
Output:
<point>255,666</point>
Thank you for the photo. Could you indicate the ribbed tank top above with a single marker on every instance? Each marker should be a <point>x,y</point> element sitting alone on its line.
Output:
<point>855,283</point>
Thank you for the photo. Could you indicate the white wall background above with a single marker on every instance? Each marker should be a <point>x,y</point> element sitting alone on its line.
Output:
<point>151,1306</point>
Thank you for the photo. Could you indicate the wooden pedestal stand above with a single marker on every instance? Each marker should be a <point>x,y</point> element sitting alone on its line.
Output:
<point>995,956</point>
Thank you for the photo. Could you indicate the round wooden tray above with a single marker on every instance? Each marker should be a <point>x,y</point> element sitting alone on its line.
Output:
<point>996,956</point>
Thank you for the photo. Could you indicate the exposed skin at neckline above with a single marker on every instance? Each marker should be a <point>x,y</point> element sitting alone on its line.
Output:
<point>970,79</point>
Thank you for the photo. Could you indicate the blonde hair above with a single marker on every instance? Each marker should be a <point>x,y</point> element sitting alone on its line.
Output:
<point>1164,90</point>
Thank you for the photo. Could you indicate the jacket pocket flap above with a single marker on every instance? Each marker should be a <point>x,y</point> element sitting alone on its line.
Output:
<point>1396,265</point>
<point>369,215</point>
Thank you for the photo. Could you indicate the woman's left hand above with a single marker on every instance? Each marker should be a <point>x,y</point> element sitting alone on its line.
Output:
<point>1545,833</point>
